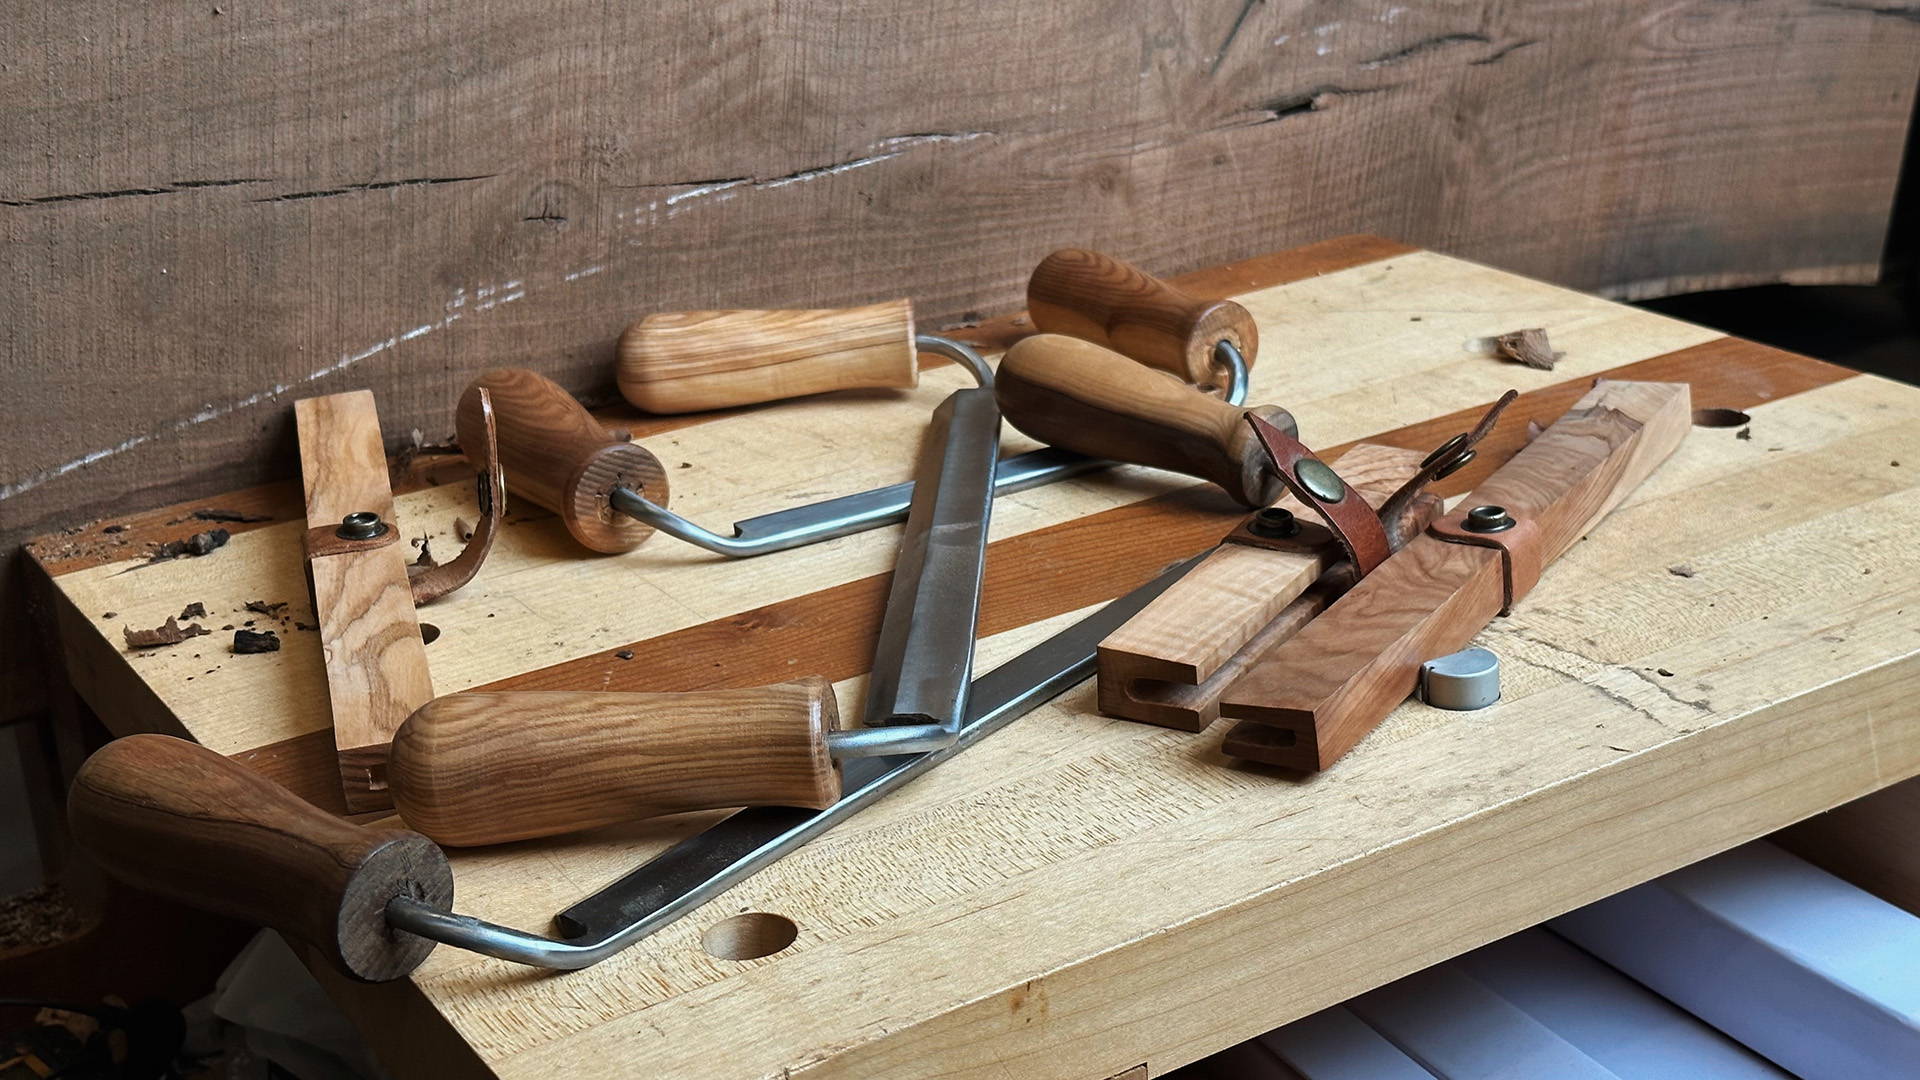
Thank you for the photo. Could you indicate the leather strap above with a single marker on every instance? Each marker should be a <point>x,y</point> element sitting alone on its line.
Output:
<point>1355,524</point>
<point>432,583</point>
<point>1519,548</point>
<point>1447,458</point>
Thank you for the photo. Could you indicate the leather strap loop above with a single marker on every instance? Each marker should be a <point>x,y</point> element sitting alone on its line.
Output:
<point>1355,524</point>
<point>490,492</point>
<point>1519,547</point>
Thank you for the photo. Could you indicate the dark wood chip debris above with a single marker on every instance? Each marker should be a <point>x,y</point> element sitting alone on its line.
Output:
<point>214,513</point>
<point>1529,347</point>
<point>167,633</point>
<point>248,641</point>
<point>201,543</point>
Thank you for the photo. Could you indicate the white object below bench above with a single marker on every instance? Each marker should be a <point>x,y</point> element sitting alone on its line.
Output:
<point>1819,976</point>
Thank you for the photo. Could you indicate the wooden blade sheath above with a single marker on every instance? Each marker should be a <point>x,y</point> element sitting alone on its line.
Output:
<point>1311,699</point>
<point>376,662</point>
<point>1169,664</point>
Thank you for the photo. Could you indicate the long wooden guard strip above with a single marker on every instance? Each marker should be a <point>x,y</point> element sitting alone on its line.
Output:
<point>1313,698</point>
<point>376,661</point>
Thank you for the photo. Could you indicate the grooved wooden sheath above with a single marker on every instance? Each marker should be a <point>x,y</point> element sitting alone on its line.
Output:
<point>1169,664</point>
<point>370,640</point>
<point>1309,701</point>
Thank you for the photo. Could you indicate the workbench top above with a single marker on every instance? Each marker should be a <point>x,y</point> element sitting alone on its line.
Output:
<point>1735,648</point>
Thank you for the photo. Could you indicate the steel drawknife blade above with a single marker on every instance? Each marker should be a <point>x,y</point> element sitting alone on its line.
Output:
<point>924,658</point>
<point>701,867</point>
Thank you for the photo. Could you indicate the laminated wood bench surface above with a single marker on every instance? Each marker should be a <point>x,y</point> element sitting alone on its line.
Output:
<point>1732,650</point>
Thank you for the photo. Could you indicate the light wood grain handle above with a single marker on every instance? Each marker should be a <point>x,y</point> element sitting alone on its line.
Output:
<point>485,768</point>
<point>1109,302</point>
<point>1079,396</point>
<point>178,819</point>
<point>686,361</point>
<point>556,454</point>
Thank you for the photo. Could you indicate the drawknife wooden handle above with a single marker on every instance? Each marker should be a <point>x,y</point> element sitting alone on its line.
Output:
<point>556,454</point>
<point>685,361</point>
<point>485,768</point>
<point>1109,302</point>
<point>178,819</point>
<point>1080,396</point>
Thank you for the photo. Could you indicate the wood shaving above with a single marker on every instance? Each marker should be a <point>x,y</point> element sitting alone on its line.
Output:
<point>167,633</point>
<point>1529,347</point>
<point>462,529</point>
<point>247,641</point>
<point>202,543</point>
<point>217,514</point>
<point>265,608</point>
<point>195,610</point>
<point>426,561</point>
<point>39,917</point>
<point>1682,570</point>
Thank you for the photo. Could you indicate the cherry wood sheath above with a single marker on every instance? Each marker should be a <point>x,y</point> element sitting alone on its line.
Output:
<point>557,455</point>
<point>1084,397</point>
<point>485,768</point>
<point>175,818</point>
<point>1311,699</point>
<point>686,361</point>
<point>1110,302</point>
<point>370,638</point>
<point>1169,664</point>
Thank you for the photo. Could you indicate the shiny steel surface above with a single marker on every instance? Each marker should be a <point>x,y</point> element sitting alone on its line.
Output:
<point>924,657</point>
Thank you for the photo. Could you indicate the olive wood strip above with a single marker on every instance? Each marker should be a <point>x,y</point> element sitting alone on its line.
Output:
<point>486,768</point>
<point>171,816</point>
<point>1325,688</point>
<point>376,662</point>
<point>688,361</point>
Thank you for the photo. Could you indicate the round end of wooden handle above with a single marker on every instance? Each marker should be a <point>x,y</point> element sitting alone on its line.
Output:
<point>823,716</point>
<point>588,514</point>
<point>1222,321</point>
<point>364,945</point>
